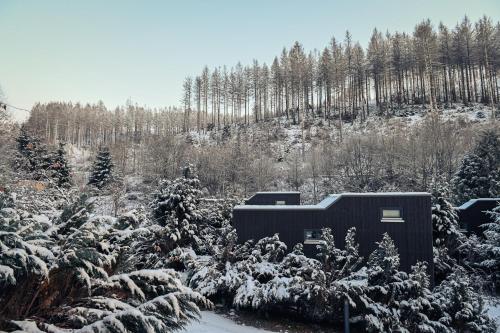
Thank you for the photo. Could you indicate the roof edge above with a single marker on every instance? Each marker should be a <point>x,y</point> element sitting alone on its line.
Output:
<point>334,199</point>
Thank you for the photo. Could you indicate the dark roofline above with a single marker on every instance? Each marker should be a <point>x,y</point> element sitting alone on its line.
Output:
<point>472,202</point>
<point>329,200</point>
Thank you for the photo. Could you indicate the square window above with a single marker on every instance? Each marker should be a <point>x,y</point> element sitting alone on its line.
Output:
<point>312,236</point>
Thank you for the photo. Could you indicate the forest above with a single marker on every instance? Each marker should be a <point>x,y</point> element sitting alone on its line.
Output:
<point>119,220</point>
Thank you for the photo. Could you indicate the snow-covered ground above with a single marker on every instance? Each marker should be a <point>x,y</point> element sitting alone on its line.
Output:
<point>213,323</point>
<point>493,311</point>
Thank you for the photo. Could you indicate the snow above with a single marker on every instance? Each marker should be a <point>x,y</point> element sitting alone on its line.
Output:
<point>493,311</point>
<point>214,323</point>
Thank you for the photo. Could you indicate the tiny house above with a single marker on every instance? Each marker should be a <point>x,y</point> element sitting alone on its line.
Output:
<point>406,217</point>
<point>475,213</point>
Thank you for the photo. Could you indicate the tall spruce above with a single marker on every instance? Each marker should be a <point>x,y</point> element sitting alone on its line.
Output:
<point>101,173</point>
<point>60,167</point>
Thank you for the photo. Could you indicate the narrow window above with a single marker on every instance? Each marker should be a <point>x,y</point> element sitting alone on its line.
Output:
<point>281,202</point>
<point>391,215</point>
<point>312,236</point>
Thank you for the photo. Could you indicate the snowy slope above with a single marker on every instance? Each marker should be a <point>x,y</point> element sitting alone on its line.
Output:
<point>214,323</point>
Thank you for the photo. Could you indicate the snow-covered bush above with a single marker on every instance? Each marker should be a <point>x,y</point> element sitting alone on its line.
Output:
<point>74,275</point>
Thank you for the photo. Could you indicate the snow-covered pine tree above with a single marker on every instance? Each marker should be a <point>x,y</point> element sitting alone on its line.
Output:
<point>449,242</point>
<point>383,263</point>
<point>328,253</point>
<point>471,179</point>
<point>338,263</point>
<point>101,173</point>
<point>175,207</point>
<point>352,260</point>
<point>395,300</point>
<point>488,251</point>
<point>33,156</point>
<point>60,168</point>
<point>464,307</point>
<point>417,307</point>
<point>78,285</point>
<point>478,176</point>
<point>445,227</point>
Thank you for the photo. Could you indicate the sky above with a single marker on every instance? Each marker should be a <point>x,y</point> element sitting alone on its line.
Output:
<point>86,51</point>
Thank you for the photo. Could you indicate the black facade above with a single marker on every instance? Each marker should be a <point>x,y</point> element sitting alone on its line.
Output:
<point>474,213</point>
<point>409,222</point>
<point>274,198</point>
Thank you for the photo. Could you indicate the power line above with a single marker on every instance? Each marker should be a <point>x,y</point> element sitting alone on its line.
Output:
<point>4,105</point>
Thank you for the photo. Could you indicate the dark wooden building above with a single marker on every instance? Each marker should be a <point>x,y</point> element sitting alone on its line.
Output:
<point>406,217</point>
<point>274,198</point>
<point>474,213</point>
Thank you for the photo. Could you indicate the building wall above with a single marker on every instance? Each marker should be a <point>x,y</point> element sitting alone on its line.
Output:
<point>413,237</point>
<point>270,198</point>
<point>472,217</point>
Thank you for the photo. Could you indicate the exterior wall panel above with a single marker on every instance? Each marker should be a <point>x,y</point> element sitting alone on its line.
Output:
<point>413,237</point>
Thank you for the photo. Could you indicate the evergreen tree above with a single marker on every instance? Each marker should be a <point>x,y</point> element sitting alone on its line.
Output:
<point>33,156</point>
<point>383,263</point>
<point>479,173</point>
<point>445,227</point>
<point>175,207</point>
<point>101,173</point>
<point>60,167</point>
<point>463,305</point>
<point>71,278</point>
<point>338,263</point>
<point>488,251</point>
<point>471,179</point>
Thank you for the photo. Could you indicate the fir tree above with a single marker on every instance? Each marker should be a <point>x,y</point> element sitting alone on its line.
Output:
<point>463,305</point>
<point>60,167</point>
<point>445,227</point>
<point>101,173</point>
<point>33,156</point>
<point>488,251</point>
<point>479,173</point>
<point>338,263</point>
<point>384,261</point>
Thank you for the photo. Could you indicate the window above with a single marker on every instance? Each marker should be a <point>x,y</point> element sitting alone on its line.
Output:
<point>281,202</point>
<point>391,215</point>
<point>312,236</point>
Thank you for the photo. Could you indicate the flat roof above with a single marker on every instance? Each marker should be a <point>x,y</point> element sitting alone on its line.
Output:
<point>329,200</point>
<point>471,202</point>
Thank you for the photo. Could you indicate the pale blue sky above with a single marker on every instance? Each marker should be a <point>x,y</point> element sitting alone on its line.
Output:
<point>112,50</point>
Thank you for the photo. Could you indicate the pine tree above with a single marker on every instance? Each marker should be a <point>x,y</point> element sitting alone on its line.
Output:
<point>338,263</point>
<point>33,156</point>
<point>384,261</point>
<point>175,207</point>
<point>488,251</point>
<point>463,305</point>
<point>101,173</point>
<point>69,277</point>
<point>479,173</point>
<point>60,167</point>
<point>445,227</point>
